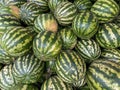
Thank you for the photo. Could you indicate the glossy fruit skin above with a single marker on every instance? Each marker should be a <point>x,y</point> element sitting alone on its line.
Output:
<point>103,74</point>
<point>105,10</point>
<point>70,67</point>
<point>65,13</point>
<point>47,45</point>
<point>85,25</point>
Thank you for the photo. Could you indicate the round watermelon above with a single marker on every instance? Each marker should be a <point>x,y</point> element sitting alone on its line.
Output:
<point>70,67</point>
<point>65,13</point>
<point>85,25</point>
<point>17,41</point>
<point>69,39</point>
<point>45,22</point>
<point>27,69</point>
<point>88,49</point>
<point>47,45</point>
<point>105,10</point>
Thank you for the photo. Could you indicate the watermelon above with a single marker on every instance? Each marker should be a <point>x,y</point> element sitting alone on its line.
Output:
<point>45,22</point>
<point>17,42</point>
<point>88,49</point>
<point>55,83</point>
<point>47,45</point>
<point>80,83</point>
<point>28,12</point>
<point>7,22</point>
<point>12,2</point>
<point>27,69</point>
<point>69,39</point>
<point>83,5</point>
<point>43,4</point>
<point>108,36</point>
<point>4,57</point>
<point>111,54</point>
<point>85,25</point>
<point>6,78</point>
<point>105,10</point>
<point>12,10</point>
<point>70,67</point>
<point>104,75</point>
<point>54,3</point>
<point>65,13</point>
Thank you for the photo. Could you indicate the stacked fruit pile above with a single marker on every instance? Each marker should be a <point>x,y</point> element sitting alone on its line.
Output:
<point>59,45</point>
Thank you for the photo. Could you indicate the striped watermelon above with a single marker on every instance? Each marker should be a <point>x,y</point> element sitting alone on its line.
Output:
<point>45,22</point>
<point>69,39</point>
<point>12,10</point>
<point>12,2</point>
<point>104,75</point>
<point>17,41</point>
<point>88,49</point>
<point>83,4</point>
<point>80,83</point>
<point>70,67</point>
<point>24,87</point>
<point>42,3</point>
<point>46,45</point>
<point>105,10</point>
<point>7,22</point>
<point>28,12</point>
<point>54,3</point>
<point>4,57</point>
<point>65,13</point>
<point>55,83</point>
<point>111,54</point>
<point>27,69</point>
<point>109,36</point>
<point>6,78</point>
<point>85,25</point>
